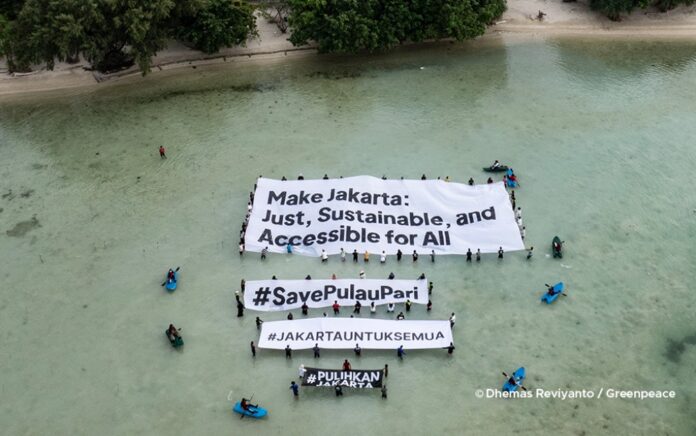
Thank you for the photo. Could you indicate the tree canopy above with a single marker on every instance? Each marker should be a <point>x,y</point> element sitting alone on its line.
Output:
<point>353,25</point>
<point>112,34</point>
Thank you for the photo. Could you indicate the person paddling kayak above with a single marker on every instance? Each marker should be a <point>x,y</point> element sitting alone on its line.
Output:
<point>246,405</point>
<point>495,165</point>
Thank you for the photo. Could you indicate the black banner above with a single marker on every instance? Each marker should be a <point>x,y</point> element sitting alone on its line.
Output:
<point>359,378</point>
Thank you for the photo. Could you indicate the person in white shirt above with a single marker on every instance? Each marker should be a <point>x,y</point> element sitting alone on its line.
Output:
<point>383,257</point>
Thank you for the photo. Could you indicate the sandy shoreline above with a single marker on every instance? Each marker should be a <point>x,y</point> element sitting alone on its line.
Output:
<point>571,19</point>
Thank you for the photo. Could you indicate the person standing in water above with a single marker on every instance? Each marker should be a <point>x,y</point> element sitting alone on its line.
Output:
<point>373,308</point>
<point>452,319</point>
<point>288,352</point>
<point>450,349</point>
<point>295,389</point>
<point>529,253</point>
<point>253,349</point>
<point>408,305</point>
<point>386,371</point>
<point>356,308</point>
<point>357,350</point>
<point>415,256</point>
<point>301,371</point>
<point>258,323</point>
<point>500,253</point>
<point>316,351</point>
<point>346,365</point>
<point>240,308</point>
<point>355,255</point>
<point>478,255</point>
<point>324,256</point>
<point>264,252</point>
<point>468,255</point>
<point>384,391</point>
<point>162,152</point>
<point>336,307</point>
<point>343,255</point>
<point>430,288</point>
<point>471,181</point>
<point>366,256</point>
<point>339,391</point>
<point>400,353</point>
<point>398,255</point>
<point>305,308</point>
<point>432,256</point>
<point>383,257</point>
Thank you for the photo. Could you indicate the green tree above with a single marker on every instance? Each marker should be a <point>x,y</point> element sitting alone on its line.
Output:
<point>614,8</point>
<point>352,25</point>
<point>10,8</point>
<point>217,24</point>
<point>54,29</point>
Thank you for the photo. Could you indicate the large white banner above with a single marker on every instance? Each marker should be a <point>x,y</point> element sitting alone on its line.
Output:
<point>344,333</point>
<point>270,295</point>
<point>365,213</point>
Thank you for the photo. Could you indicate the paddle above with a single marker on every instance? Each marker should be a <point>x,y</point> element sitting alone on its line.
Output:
<point>562,293</point>
<point>176,270</point>
<point>243,415</point>
<point>516,383</point>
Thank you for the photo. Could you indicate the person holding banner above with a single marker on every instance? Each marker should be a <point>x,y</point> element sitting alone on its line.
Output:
<point>316,351</point>
<point>295,389</point>
<point>343,255</point>
<point>355,255</point>
<point>301,370</point>
<point>373,308</point>
<point>398,255</point>
<point>357,350</point>
<point>400,316</point>
<point>415,256</point>
<point>324,256</point>
<point>346,365</point>
<point>400,353</point>
<point>366,256</point>
<point>357,307</point>
<point>305,308</point>
<point>383,257</point>
<point>336,307</point>
<point>288,352</point>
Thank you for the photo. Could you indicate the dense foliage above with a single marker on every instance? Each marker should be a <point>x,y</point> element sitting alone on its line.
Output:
<point>614,8</point>
<point>112,34</point>
<point>352,25</point>
<point>220,23</point>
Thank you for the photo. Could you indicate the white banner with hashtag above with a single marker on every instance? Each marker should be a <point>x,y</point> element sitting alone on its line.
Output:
<point>346,333</point>
<point>273,295</point>
<point>365,213</point>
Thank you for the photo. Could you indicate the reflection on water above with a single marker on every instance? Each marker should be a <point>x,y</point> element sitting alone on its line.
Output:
<point>601,135</point>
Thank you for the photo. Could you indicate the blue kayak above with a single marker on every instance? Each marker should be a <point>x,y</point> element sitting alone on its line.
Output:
<point>557,290</point>
<point>171,284</point>
<point>518,376</point>
<point>253,412</point>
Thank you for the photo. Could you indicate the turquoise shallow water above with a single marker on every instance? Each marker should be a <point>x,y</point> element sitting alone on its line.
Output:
<point>602,137</point>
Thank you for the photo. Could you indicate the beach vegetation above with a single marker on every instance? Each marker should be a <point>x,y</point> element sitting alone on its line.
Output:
<point>344,26</point>
<point>115,34</point>
<point>217,24</point>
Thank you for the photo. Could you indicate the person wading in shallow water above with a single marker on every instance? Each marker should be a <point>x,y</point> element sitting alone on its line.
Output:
<point>162,152</point>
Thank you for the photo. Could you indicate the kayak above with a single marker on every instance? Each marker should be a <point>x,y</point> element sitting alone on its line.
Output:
<point>557,247</point>
<point>519,377</point>
<point>171,285</point>
<point>253,412</point>
<point>557,290</point>
<point>511,183</point>
<point>495,170</point>
<point>176,343</point>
